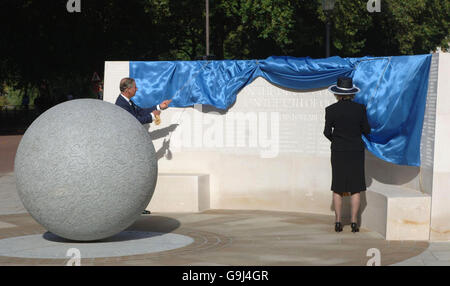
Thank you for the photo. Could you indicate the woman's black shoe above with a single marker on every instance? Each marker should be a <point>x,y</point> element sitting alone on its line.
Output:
<point>338,227</point>
<point>355,227</point>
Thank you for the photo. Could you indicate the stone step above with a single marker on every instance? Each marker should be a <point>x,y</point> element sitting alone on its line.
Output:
<point>180,193</point>
<point>397,213</point>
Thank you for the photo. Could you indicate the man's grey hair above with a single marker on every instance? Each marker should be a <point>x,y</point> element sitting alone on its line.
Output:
<point>126,83</point>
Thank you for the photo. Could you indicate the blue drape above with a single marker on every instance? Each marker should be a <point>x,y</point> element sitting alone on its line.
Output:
<point>393,89</point>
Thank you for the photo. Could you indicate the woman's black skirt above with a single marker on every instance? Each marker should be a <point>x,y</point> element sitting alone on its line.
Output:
<point>348,172</point>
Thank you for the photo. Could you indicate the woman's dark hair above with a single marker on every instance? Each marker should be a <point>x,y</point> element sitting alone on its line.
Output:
<point>345,96</point>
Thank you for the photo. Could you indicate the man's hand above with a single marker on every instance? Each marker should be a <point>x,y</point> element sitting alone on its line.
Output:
<point>163,105</point>
<point>156,112</point>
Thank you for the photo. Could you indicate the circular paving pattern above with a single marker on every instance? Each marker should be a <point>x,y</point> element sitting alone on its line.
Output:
<point>125,243</point>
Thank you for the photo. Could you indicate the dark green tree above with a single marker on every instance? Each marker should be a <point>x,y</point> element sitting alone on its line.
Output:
<point>182,27</point>
<point>409,27</point>
<point>47,47</point>
<point>44,46</point>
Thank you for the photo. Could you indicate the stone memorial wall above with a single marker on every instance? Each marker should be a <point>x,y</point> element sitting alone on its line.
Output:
<point>268,152</point>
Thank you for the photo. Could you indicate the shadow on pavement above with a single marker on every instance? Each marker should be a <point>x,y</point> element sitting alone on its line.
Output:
<point>144,227</point>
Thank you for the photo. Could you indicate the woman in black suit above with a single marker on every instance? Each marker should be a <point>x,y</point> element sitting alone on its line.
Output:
<point>345,121</point>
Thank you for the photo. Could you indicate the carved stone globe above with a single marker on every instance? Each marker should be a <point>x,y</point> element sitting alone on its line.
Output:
<point>86,169</point>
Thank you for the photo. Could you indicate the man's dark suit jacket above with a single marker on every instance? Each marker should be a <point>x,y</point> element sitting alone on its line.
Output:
<point>348,120</point>
<point>142,114</point>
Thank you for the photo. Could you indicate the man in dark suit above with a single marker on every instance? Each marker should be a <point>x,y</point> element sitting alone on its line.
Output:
<point>345,122</point>
<point>128,89</point>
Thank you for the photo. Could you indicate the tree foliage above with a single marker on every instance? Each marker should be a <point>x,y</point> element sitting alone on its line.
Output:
<point>44,46</point>
<point>253,29</point>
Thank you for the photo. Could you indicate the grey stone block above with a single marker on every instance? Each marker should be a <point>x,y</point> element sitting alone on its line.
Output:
<point>86,169</point>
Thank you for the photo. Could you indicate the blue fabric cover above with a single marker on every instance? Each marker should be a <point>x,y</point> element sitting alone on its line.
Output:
<point>394,90</point>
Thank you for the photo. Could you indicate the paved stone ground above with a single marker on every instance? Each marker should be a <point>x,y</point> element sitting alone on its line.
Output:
<point>231,237</point>
<point>437,254</point>
<point>8,147</point>
<point>9,199</point>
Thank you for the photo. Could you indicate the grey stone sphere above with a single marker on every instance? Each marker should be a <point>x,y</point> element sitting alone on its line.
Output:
<point>86,169</point>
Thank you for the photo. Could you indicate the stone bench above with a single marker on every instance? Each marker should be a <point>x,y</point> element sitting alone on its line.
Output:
<point>180,193</point>
<point>397,213</point>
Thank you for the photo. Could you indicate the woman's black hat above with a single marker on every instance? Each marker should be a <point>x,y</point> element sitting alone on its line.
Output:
<point>344,86</point>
